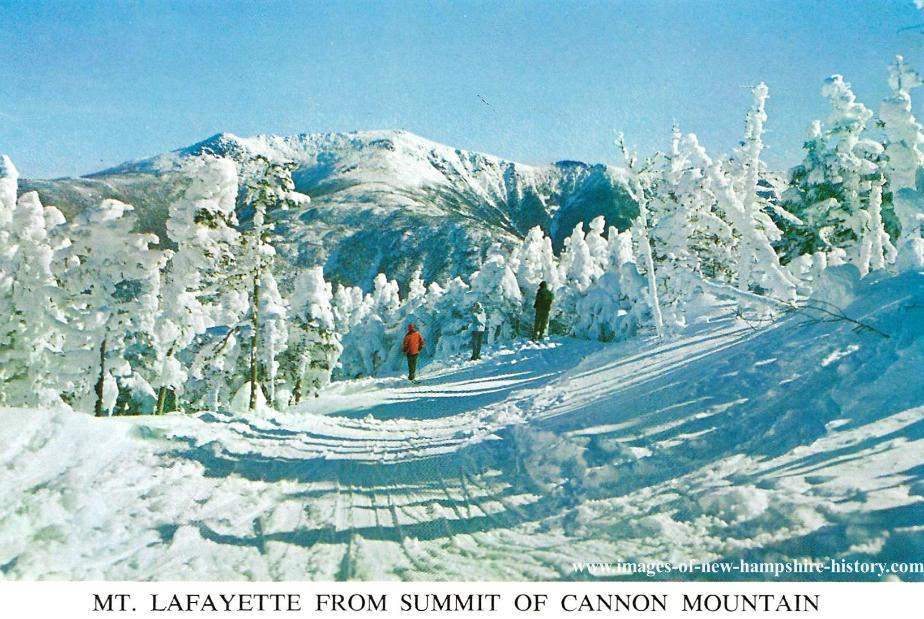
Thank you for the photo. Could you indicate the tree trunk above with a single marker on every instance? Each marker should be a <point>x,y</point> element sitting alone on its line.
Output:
<point>254,326</point>
<point>645,247</point>
<point>100,383</point>
<point>161,399</point>
<point>297,391</point>
<point>162,392</point>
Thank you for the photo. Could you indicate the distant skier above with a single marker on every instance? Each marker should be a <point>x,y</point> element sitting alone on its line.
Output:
<point>479,320</point>
<point>543,305</point>
<point>413,344</point>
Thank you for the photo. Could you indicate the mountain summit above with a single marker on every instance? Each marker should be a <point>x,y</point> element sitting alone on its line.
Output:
<point>382,201</point>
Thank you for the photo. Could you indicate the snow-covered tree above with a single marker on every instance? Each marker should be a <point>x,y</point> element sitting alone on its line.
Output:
<point>830,192</point>
<point>495,287</point>
<point>904,134</point>
<point>348,307</point>
<point>712,242</point>
<point>269,190</point>
<point>314,343</point>
<point>273,332</point>
<point>579,268</point>
<point>905,158</point>
<point>416,288</point>
<point>9,184</point>
<point>450,318</point>
<point>632,287</point>
<point>414,309</point>
<point>30,337</point>
<point>876,249</point>
<point>758,264</point>
<point>616,304</point>
<point>639,184</point>
<point>386,298</point>
<point>690,238</point>
<point>597,244</point>
<point>202,226</point>
<point>215,355</point>
<point>112,278</point>
<point>537,263</point>
<point>371,342</point>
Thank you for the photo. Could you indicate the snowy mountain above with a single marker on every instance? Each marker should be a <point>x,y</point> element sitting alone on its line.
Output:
<point>382,201</point>
<point>729,444</point>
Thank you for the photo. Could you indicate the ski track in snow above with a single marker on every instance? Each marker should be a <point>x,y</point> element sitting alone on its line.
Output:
<point>728,443</point>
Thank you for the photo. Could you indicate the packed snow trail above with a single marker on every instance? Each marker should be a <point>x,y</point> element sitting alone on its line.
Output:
<point>801,440</point>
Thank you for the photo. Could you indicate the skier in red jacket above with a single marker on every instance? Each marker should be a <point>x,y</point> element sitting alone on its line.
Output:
<point>413,344</point>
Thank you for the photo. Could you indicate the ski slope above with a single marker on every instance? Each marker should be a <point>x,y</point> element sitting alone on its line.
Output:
<point>801,439</point>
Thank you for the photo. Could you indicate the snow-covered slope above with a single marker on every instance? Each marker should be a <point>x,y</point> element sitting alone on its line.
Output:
<point>801,440</point>
<point>381,200</point>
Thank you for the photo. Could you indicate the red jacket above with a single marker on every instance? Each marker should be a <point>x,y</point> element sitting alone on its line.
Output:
<point>413,341</point>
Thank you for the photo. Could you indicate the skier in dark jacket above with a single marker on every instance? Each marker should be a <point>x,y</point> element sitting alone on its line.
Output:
<point>479,320</point>
<point>543,305</point>
<point>412,345</point>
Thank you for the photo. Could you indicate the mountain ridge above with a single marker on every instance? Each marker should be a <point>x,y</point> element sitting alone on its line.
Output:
<point>373,192</point>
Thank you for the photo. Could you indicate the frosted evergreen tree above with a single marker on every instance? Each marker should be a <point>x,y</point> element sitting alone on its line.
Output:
<point>495,286</point>
<point>830,191</point>
<point>213,367</point>
<point>370,344</point>
<point>112,279</point>
<point>269,190</point>
<point>670,216</point>
<point>758,264</point>
<point>876,247</point>
<point>314,343</point>
<point>513,259</point>
<point>904,134</point>
<point>386,298</point>
<point>615,305</point>
<point>348,308</point>
<point>858,163</point>
<point>202,225</point>
<point>712,242</point>
<point>633,292</point>
<point>449,305</point>
<point>550,265</point>
<point>273,332</point>
<point>537,264</point>
<point>414,309</point>
<point>905,137</point>
<point>30,334</point>
<point>759,268</point>
<point>597,244</point>
<point>578,271</point>
<point>9,184</point>
<point>416,289</point>
<point>639,185</point>
<point>579,267</point>
<point>389,308</point>
<point>9,177</point>
<point>689,237</point>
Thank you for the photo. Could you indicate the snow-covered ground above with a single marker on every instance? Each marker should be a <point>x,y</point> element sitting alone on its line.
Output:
<point>802,439</point>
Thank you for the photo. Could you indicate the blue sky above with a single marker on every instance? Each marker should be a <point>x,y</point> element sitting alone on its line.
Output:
<point>86,85</point>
